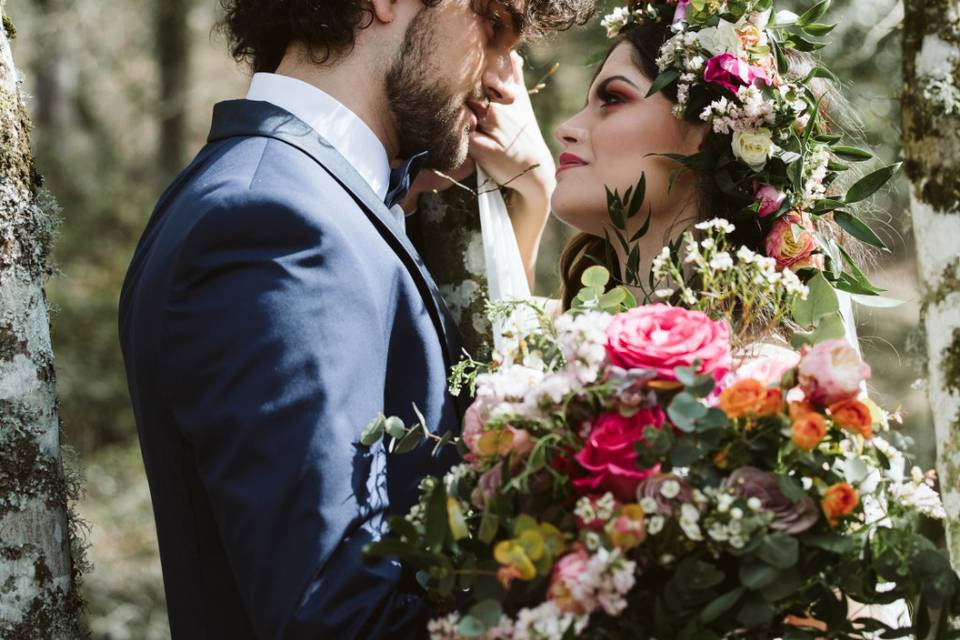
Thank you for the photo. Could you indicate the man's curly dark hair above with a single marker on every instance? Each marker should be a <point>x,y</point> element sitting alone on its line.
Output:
<point>259,31</point>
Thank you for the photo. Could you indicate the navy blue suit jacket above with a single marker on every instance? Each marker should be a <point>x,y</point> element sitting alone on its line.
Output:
<point>263,325</point>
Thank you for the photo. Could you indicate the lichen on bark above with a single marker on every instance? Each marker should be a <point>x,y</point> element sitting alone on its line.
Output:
<point>931,147</point>
<point>41,551</point>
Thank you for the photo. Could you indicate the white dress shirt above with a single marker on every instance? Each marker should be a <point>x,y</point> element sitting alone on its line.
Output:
<point>342,128</point>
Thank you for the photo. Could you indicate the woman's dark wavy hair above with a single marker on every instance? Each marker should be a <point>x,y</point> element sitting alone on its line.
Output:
<point>259,31</point>
<point>585,250</point>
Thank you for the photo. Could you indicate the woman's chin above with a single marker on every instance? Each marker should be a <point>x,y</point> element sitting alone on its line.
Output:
<point>580,215</point>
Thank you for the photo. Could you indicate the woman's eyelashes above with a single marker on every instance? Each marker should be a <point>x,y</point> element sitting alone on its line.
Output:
<point>608,98</point>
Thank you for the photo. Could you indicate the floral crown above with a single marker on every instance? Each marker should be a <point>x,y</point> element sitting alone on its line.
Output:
<point>771,150</point>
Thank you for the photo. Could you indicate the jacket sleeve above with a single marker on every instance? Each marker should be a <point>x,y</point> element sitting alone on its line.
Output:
<point>278,338</point>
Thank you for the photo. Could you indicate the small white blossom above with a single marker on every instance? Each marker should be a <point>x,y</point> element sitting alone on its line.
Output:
<point>614,21</point>
<point>655,525</point>
<point>648,504</point>
<point>721,261</point>
<point>670,489</point>
<point>721,224</point>
<point>755,503</point>
<point>736,513</point>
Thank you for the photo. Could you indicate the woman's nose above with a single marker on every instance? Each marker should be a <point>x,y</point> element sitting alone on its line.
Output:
<point>570,133</point>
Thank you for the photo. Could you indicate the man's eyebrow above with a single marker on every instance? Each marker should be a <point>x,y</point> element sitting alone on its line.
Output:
<point>603,85</point>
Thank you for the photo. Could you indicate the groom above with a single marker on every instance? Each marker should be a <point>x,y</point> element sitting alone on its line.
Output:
<point>274,306</point>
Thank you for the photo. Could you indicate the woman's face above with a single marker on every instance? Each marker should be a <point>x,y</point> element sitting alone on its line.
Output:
<point>608,144</point>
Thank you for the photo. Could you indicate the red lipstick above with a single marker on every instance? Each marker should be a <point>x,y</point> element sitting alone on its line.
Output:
<point>569,160</point>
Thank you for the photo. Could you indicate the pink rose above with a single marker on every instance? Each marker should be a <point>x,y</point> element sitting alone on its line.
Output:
<point>730,72</point>
<point>522,442</point>
<point>768,366</point>
<point>609,456</point>
<point>770,199</point>
<point>564,587</point>
<point>472,426</point>
<point>793,248</point>
<point>660,338</point>
<point>832,371</point>
<point>487,487</point>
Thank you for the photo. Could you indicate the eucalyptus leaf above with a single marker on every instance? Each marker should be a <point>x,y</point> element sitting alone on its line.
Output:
<point>755,612</point>
<point>779,550</point>
<point>410,441</point>
<point>373,432</point>
<point>818,29</point>
<point>471,627</point>
<point>856,227</point>
<point>489,524</point>
<point>595,277</point>
<point>720,605</point>
<point>437,521</point>
<point>684,410</point>
<point>814,13</point>
<point>871,183</point>
<point>821,301</point>
<point>757,575</point>
<point>853,154</point>
<point>662,81</point>
<point>877,302</point>
<point>394,427</point>
<point>488,612</point>
<point>790,487</point>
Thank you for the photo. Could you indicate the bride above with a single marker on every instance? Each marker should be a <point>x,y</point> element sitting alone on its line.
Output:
<point>620,134</point>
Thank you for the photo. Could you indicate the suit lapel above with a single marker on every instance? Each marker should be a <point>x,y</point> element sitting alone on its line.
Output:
<point>235,118</point>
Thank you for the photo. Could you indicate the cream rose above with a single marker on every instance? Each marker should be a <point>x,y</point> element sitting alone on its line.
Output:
<point>720,39</point>
<point>754,147</point>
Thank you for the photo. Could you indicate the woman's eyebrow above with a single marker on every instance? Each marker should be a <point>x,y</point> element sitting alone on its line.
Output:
<point>606,81</point>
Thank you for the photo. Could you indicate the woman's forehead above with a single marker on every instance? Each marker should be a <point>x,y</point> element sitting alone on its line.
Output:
<point>620,62</point>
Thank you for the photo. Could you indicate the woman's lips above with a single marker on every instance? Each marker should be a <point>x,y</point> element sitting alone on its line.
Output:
<point>570,161</point>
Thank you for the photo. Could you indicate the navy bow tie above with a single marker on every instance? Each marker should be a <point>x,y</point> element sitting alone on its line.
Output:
<point>402,177</point>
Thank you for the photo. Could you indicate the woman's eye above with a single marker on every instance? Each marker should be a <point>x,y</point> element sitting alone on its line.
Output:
<point>608,98</point>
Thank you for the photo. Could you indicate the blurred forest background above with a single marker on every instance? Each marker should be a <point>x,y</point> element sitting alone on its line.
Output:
<point>121,93</point>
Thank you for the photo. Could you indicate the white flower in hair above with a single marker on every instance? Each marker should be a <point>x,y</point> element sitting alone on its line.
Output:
<point>616,20</point>
<point>754,147</point>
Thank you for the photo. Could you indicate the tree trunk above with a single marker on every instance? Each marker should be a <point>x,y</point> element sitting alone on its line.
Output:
<point>173,59</point>
<point>38,579</point>
<point>931,120</point>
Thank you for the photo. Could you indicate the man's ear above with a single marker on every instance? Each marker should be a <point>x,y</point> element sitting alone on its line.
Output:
<point>384,10</point>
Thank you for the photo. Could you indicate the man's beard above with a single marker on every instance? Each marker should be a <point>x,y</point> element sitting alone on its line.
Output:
<point>426,112</point>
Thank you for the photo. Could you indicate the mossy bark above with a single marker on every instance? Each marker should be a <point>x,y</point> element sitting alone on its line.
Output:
<point>38,576</point>
<point>931,143</point>
<point>446,232</point>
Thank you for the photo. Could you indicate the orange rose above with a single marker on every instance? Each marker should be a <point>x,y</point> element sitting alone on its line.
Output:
<point>798,409</point>
<point>853,416</point>
<point>772,402</point>
<point>808,430</point>
<point>744,398</point>
<point>839,500</point>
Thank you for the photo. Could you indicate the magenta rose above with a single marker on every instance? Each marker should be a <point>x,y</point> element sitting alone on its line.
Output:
<point>609,456</point>
<point>730,72</point>
<point>832,371</point>
<point>660,338</point>
<point>770,199</point>
<point>791,244</point>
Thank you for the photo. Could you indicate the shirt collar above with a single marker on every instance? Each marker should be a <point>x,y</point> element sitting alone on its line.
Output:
<point>342,128</point>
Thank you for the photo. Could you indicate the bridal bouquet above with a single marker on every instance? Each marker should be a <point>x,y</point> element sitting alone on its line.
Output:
<point>638,472</point>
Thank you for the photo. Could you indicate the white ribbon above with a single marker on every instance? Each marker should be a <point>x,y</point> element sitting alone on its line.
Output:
<point>506,275</point>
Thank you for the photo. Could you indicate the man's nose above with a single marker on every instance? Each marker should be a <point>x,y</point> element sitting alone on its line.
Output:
<point>497,82</point>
